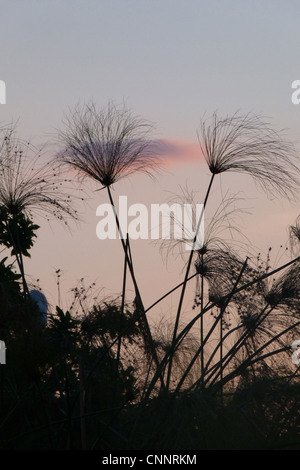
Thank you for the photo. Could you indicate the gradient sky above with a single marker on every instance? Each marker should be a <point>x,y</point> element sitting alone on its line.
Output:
<point>170,61</point>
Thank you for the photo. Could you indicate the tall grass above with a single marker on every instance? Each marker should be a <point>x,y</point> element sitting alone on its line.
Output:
<point>98,377</point>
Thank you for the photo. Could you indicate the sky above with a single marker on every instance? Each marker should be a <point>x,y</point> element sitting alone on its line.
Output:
<point>171,62</point>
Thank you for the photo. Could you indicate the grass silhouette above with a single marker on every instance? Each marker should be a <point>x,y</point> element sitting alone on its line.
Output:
<point>96,376</point>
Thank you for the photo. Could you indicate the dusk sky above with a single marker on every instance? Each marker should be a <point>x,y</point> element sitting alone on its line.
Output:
<point>172,62</point>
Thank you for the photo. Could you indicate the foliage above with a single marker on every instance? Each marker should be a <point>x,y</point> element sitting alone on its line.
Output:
<point>100,378</point>
<point>17,232</point>
<point>8,278</point>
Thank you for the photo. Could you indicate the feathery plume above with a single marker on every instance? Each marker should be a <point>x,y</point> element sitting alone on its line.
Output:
<point>106,144</point>
<point>247,144</point>
<point>30,185</point>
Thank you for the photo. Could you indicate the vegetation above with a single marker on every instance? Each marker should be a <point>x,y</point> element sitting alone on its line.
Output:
<point>97,376</point>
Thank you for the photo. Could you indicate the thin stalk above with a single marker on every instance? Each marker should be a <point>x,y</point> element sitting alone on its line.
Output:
<point>148,336</point>
<point>180,338</point>
<point>221,353</point>
<point>122,304</point>
<point>252,359</point>
<point>231,353</point>
<point>201,318</point>
<point>25,286</point>
<point>264,276</point>
<point>112,344</point>
<point>189,326</point>
<point>146,380</point>
<point>228,298</point>
<point>215,366</point>
<point>169,292</point>
<point>186,278</point>
<point>250,362</point>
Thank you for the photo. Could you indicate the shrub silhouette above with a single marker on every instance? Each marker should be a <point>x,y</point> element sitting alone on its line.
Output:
<point>99,377</point>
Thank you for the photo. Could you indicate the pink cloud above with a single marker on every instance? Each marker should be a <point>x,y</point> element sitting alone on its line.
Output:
<point>178,151</point>
<point>173,152</point>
